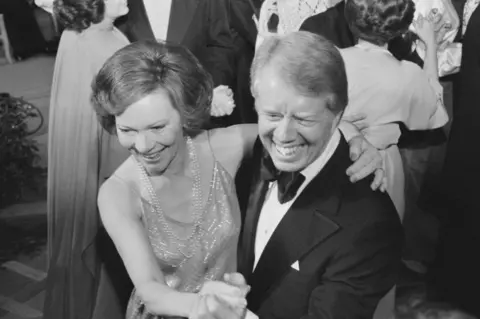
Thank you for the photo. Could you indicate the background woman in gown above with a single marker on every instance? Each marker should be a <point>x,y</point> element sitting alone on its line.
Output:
<point>81,155</point>
<point>171,207</point>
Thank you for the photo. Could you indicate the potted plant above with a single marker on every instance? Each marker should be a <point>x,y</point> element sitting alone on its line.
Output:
<point>19,157</point>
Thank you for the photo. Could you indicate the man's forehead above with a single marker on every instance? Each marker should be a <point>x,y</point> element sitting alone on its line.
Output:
<point>270,76</point>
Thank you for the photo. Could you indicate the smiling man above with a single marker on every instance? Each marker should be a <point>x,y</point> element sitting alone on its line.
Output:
<point>314,245</point>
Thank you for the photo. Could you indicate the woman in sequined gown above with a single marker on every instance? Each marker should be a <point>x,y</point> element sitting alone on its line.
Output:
<point>171,208</point>
<point>80,156</point>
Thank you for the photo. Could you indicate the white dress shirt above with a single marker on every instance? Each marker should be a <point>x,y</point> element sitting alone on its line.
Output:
<point>158,13</point>
<point>468,9</point>
<point>273,211</point>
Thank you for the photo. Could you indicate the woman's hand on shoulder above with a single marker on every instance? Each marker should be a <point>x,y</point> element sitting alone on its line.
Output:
<point>367,160</point>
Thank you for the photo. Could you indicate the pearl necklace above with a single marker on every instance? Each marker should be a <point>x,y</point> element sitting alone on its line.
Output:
<point>186,246</point>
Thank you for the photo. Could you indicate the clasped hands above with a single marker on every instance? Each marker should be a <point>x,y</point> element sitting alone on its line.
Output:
<point>222,299</point>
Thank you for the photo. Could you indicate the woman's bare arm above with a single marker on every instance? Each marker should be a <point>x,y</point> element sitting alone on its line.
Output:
<point>248,135</point>
<point>118,212</point>
<point>232,144</point>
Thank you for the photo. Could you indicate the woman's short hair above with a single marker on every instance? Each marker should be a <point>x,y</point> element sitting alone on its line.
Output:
<point>78,15</point>
<point>379,21</point>
<point>308,62</point>
<point>145,67</point>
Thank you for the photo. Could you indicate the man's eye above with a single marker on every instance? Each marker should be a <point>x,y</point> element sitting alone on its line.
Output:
<point>305,122</point>
<point>157,128</point>
<point>274,116</point>
<point>124,130</point>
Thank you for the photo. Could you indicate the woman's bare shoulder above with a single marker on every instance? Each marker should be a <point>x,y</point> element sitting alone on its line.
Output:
<point>121,189</point>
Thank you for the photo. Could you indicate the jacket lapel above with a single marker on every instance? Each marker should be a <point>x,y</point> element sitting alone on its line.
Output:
<point>304,226</point>
<point>181,16</point>
<point>256,199</point>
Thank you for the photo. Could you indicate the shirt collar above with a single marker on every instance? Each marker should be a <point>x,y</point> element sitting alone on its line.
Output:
<point>317,165</point>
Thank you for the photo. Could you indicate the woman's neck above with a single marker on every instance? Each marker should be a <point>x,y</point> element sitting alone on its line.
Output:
<point>367,43</point>
<point>106,23</point>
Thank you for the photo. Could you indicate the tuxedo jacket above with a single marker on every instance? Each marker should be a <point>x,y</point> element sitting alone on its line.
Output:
<point>200,25</point>
<point>345,238</point>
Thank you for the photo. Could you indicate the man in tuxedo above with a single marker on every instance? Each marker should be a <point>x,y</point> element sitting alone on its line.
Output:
<point>314,245</point>
<point>200,25</point>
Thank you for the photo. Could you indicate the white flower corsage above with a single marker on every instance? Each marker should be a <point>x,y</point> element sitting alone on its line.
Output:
<point>222,102</point>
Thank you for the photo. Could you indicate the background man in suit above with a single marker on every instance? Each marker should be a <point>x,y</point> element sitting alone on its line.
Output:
<point>314,245</point>
<point>200,25</point>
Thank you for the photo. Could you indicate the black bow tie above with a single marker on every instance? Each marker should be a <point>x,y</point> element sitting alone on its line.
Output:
<point>288,183</point>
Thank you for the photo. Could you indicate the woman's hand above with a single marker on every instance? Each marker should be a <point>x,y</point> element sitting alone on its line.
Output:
<point>236,279</point>
<point>425,28</point>
<point>367,160</point>
<point>222,102</point>
<point>212,307</point>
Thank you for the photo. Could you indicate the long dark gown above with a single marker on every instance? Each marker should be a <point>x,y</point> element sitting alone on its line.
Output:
<point>458,268</point>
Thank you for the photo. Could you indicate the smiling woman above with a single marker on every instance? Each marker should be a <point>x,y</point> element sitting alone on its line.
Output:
<point>150,106</point>
<point>177,221</point>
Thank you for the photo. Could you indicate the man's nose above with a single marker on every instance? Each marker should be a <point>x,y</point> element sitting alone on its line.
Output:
<point>285,131</point>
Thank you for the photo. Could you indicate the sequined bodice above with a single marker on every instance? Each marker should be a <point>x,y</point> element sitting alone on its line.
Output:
<point>218,239</point>
<point>216,246</point>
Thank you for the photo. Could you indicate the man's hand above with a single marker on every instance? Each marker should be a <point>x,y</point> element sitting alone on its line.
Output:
<point>213,307</point>
<point>236,279</point>
<point>229,294</point>
<point>367,160</point>
<point>219,309</point>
